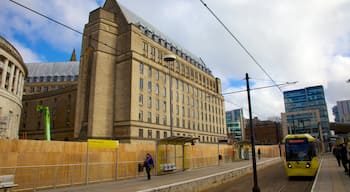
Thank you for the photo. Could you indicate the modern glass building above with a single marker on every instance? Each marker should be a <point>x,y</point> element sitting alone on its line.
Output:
<point>306,111</point>
<point>342,111</point>
<point>235,123</point>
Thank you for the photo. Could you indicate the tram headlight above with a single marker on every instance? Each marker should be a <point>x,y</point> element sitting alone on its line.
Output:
<point>308,165</point>
<point>289,165</point>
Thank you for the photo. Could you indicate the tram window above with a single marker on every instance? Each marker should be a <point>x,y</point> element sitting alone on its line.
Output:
<point>298,152</point>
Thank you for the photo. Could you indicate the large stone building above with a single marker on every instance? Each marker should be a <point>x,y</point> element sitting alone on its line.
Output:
<point>53,85</point>
<point>12,75</point>
<point>127,91</point>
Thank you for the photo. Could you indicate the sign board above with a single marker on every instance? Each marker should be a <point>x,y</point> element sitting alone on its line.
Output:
<point>101,143</point>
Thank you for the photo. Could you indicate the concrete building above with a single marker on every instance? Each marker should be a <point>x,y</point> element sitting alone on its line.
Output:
<point>235,124</point>
<point>127,91</point>
<point>306,112</point>
<point>12,74</point>
<point>342,111</point>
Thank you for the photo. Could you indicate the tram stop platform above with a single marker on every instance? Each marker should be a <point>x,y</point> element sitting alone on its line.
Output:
<point>331,177</point>
<point>190,180</point>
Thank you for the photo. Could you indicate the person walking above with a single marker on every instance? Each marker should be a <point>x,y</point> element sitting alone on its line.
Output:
<point>344,157</point>
<point>148,164</point>
<point>259,153</point>
<point>336,153</point>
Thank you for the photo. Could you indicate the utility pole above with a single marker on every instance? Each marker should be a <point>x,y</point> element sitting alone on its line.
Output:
<point>256,187</point>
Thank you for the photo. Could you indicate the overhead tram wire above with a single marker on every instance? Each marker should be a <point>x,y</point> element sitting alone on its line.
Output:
<point>63,25</point>
<point>244,90</point>
<point>242,46</point>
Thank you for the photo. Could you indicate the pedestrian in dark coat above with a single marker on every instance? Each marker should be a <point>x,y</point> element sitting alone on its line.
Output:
<point>148,164</point>
<point>336,153</point>
<point>344,157</point>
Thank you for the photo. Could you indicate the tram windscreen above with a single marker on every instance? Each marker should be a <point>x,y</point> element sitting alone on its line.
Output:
<point>298,150</point>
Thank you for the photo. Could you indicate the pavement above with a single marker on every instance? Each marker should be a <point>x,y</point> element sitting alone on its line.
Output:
<point>173,180</point>
<point>331,177</point>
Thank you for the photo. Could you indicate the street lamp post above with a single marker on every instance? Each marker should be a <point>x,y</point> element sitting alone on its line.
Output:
<point>169,59</point>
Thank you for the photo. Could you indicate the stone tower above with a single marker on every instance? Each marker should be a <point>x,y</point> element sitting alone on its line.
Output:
<point>98,73</point>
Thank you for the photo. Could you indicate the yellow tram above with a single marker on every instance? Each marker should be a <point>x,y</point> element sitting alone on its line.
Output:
<point>302,155</point>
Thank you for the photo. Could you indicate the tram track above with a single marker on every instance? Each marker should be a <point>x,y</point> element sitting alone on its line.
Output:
<point>270,179</point>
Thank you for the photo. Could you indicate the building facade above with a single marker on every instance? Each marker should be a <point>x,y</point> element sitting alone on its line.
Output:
<point>306,112</point>
<point>53,85</point>
<point>61,103</point>
<point>265,132</point>
<point>127,91</point>
<point>342,111</point>
<point>49,76</point>
<point>235,124</point>
<point>12,75</point>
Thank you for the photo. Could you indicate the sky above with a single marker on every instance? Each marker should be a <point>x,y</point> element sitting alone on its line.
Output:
<point>293,40</point>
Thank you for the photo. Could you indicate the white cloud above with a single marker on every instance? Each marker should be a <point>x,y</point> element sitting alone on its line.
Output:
<point>27,54</point>
<point>304,41</point>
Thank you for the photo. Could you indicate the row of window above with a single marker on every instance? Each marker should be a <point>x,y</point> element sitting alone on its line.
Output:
<point>150,135</point>
<point>41,89</point>
<point>164,43</point>
<point>181,123</point>
<point>190,113</point>
<point>176,82</point>
<point>191,102</point>
<point>180,68</point>
<point>51,78</point>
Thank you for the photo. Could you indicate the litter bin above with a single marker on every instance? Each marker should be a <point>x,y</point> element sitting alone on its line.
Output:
<point>220,157</point>
<point>140,167</point>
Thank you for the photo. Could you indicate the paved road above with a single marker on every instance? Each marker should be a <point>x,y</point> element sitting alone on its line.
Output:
<point>272,178</point>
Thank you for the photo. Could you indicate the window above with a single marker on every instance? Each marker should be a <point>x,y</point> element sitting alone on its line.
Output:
<point>149,71</point>
<point>140,133</point>
<point>157,104</point>
<point>153,51</point>
<point>160,54</point>
<point>164,78</point>
<point>164,106</point>
<point>140,115</point>
<point>145,46</point>
<point>141,99</point>
<point>157,74</point>
<point>149,102</point>
<point>164,91</point>
<point>164,120</point>
<point>141,83</point>
<point>157,89</point>
<point>165,134</point>
<point>149,117</point>
<point>157,118</point>
<point>149,86</point>
<point>177,84</point>
<point>141,68</point>
<point>158,134</point>
<point>149,134</point>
